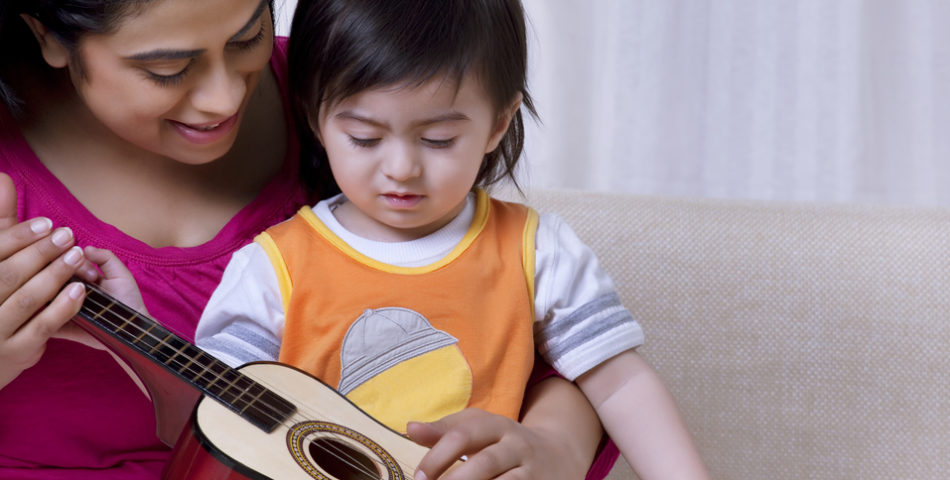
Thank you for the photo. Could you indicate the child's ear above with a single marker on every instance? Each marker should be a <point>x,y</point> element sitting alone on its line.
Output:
<point>54,52</point>
<point>502,123</point>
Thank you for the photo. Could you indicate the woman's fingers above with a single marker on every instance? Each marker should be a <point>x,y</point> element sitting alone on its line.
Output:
<point>48,322</point>
<point>34,276</point>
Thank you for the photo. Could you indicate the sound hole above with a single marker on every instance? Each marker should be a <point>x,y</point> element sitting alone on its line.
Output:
<point>341,461</point>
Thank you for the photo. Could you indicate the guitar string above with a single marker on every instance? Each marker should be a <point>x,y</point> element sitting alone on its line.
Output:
<point>343,456</point>
<point>198,374</point>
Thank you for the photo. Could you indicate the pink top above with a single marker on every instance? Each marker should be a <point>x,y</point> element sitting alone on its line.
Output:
<point>76,414</point>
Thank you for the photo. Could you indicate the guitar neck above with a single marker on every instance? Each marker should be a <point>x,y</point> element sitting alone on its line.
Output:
<point>246,397</point>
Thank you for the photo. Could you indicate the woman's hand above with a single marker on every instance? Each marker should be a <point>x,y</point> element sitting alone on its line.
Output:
<point>36,260</point>
<point>557,439</point>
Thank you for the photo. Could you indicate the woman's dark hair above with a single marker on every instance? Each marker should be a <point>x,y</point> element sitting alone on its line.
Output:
<point>339,48</point>
<point>68,20</point>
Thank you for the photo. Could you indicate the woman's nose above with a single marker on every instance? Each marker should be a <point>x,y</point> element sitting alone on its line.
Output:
<point>220,93</point>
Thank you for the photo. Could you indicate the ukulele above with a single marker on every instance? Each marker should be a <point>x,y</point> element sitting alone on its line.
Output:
<point>261,420</point>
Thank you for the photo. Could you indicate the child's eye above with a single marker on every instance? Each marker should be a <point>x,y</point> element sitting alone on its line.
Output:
<point>363,142</point>
<point>437,143</point>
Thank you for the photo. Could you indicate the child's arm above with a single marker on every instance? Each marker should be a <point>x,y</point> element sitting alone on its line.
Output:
<point>546,444</point>
<point>641,417</point>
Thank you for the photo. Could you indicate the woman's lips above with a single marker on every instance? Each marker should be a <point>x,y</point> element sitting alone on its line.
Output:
<point>207,132</point>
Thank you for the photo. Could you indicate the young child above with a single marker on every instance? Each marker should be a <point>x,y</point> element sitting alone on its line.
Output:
<point>413,292</point>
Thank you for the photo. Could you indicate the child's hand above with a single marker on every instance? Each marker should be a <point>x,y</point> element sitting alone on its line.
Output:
<point>495,446</point>
<point>116,280</point>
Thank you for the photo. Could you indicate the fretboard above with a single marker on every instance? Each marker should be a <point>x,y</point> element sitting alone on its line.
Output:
<point>246,397</point>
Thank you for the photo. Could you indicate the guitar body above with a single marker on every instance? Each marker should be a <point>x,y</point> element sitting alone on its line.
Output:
<point>328,438</point>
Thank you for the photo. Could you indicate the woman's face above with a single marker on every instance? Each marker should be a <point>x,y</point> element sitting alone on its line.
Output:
<point>175,78</point>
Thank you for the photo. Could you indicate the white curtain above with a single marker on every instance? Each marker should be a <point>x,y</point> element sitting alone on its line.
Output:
<point>814,100</point>
<point>804,100</point>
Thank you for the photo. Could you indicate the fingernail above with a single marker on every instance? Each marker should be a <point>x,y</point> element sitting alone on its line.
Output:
<point>41,225</point>
<point>73,256</point>
<point>420,475</point>
<point>62,236</point>
<point>92,273</point>
<point>75,291</point>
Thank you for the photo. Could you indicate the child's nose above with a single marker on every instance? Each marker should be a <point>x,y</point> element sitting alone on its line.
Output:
<point>402,164</point>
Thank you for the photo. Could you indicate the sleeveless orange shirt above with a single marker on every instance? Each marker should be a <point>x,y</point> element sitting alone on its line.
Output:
<point>412,343</point>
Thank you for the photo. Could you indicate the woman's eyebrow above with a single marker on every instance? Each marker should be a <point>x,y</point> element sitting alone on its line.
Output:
<point>166,54</point>
<point>250,23</point>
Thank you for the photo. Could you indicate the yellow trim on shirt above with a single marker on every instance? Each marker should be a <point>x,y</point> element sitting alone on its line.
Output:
<point>529,247</point>
<point>280,268</point>
<point>478,224</point>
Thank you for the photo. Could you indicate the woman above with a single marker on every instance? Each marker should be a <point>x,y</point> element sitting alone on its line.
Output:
<point>156,129</point>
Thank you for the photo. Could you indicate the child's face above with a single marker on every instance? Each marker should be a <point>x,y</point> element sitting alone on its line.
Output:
<point>175,78</point>
<point>406,157</point>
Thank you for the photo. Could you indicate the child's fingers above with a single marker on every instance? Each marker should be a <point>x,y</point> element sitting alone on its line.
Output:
<point>110,265</point>
<point>456,435</point>
<point>116,278</point>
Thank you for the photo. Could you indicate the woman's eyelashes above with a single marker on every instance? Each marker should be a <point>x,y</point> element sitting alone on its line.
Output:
<point>170,80</point>
<point>250,43</point>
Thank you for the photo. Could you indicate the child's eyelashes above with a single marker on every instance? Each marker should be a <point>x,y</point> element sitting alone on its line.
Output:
<point>429,142</point>
<point>437,143</point>
<point>363,142</point>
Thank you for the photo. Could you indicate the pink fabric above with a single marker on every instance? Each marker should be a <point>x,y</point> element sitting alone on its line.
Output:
<point>76,414</point>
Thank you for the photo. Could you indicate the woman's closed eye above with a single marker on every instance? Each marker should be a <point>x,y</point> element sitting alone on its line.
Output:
<point>163,79</point>
<point>249,43</point>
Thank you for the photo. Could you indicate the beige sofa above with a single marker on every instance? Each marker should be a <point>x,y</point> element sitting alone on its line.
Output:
<point>801,341</point>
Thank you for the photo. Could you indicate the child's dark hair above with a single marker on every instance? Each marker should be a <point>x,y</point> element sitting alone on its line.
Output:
<point>341,47</point>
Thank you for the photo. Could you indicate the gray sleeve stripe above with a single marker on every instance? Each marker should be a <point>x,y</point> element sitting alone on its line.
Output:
<point>595,328</point>
<point>589,309</point>
<point>249,336</point>
<point>242,344</point>
<point>591,320</point>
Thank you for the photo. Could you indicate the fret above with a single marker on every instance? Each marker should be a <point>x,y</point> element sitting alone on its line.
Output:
<point>178,352</point>
<point>144,333</point>
<point>206,368</point>
<point>161,343</point>
<point>253,400</point>
<point>227,388</point>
